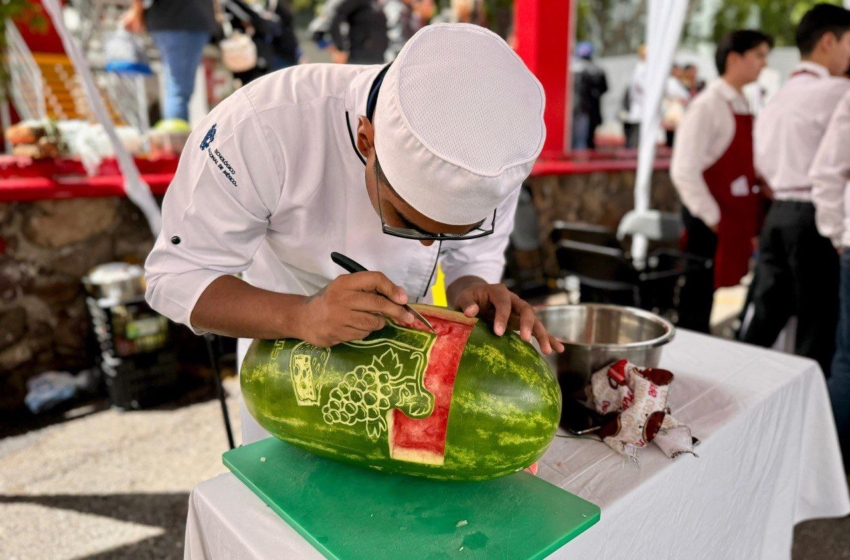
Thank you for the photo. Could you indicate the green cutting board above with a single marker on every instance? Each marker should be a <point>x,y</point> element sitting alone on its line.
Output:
<point>353,513</point>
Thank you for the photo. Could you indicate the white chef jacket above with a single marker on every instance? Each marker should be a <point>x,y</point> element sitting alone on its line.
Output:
<point>829,173</point>
<point>269,184</point>
<point>703,136</point>
<point>790,128</point>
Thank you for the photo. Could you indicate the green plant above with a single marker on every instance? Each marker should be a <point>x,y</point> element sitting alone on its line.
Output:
<point>776,17</point>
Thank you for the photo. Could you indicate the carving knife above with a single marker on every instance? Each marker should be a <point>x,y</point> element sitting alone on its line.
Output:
<point>353,266</point>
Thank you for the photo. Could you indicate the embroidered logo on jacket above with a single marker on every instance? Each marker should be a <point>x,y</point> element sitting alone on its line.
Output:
<point>205,143</point>
<point>218,160</point>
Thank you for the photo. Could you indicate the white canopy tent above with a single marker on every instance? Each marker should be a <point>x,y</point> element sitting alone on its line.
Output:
<point>665,20</point>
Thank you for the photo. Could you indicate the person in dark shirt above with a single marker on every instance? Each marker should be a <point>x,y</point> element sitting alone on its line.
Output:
<point>179,30</point>
<point>270,24</point>
<point>286,49</point>
<point>589,85</point>
<point>367,39</point>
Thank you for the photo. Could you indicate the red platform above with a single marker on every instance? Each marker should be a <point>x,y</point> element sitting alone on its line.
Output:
<point>24,179</point>
<point>599,161</point>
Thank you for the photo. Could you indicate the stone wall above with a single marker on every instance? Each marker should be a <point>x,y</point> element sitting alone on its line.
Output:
<point>46,247</point>
<point>601,198</point>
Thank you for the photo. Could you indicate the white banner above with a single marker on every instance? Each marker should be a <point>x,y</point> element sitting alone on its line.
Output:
<point>664,23</point>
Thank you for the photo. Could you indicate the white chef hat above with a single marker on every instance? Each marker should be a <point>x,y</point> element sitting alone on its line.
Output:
<point>458,122</point>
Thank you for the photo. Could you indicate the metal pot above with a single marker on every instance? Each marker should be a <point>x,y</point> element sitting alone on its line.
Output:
<point>117,281</point>
<point>596,335</point>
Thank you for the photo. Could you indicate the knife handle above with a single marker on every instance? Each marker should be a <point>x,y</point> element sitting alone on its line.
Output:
<point>346,263</point>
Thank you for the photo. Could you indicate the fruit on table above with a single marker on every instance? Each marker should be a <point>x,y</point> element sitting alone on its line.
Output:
<point>35,139</point>
<point>461,404</point>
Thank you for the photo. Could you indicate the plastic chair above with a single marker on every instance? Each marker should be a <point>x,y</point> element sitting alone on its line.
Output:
<point>608,275</point>
<point>584,233</point>
<point>605,274</point>
<point>652,224</point>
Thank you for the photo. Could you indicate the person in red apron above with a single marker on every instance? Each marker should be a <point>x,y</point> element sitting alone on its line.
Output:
<point>713,171</point>
<point>732,182</point>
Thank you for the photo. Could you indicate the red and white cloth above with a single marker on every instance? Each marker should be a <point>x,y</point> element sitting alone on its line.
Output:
<point>633,401</point>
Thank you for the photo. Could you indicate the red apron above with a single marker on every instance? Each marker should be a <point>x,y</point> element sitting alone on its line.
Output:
<point>731,181</point>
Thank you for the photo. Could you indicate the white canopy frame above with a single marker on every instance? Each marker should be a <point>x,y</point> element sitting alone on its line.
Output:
<point>664,23</point>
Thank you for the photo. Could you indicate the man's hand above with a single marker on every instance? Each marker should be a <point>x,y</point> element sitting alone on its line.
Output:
<point>133,19</point>
<point>505,309</point>
<point>351,307</point>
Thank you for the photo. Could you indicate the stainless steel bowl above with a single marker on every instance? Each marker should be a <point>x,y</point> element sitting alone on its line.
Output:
<point>596,335</point>
<point>117,281</point>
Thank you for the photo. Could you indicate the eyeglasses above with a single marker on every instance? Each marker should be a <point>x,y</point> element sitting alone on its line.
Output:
<point>410,233</point>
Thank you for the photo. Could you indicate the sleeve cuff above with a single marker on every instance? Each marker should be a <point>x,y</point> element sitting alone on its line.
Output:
<point>175,295</point>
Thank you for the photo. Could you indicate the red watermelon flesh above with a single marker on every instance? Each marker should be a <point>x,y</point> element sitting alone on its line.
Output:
<point>424,440</point>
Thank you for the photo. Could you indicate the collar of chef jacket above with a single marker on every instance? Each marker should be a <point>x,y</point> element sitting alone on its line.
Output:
<point>813,69</point>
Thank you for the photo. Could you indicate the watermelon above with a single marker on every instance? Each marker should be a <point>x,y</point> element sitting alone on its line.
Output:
<point>461,404</point>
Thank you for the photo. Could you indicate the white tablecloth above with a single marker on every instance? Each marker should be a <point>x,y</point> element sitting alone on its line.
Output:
<point>769,459</point>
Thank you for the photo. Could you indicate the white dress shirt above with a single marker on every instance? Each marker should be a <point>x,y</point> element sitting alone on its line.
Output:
<point>279,187</point>
<point>790,128</point>
<point>830,173</point>
<point>703,136</point>
<point>637,86</point>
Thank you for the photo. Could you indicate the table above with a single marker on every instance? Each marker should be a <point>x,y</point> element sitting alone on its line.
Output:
<point>24,179</point>
<point>769,459</point>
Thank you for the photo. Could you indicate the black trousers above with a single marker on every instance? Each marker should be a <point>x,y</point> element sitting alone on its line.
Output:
<point>632,132</point>
<point>697,295</point>
<point>797,274</point>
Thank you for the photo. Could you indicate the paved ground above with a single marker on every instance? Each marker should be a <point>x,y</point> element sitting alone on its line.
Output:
<point>109,484</point>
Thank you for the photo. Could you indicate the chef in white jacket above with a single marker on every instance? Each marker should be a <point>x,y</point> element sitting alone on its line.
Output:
<point>398,167</point>
<point>796,273</point>
<point>830,173</point>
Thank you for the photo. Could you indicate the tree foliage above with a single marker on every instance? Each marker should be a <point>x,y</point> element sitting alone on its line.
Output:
<point>613,26</point>
<point>776,17</point>
<point>498,14</point>
<point>618,26</point>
